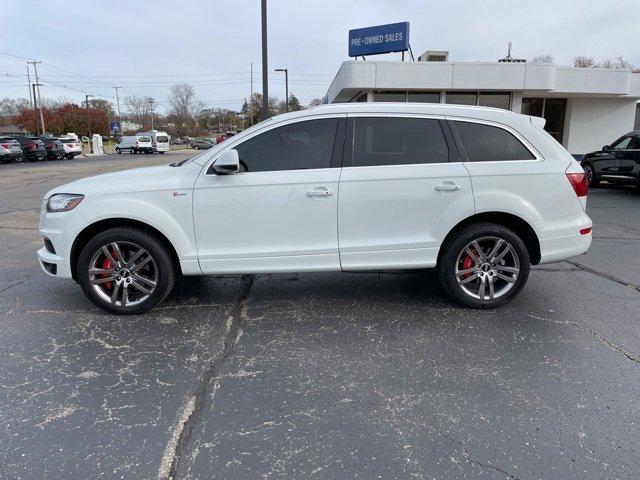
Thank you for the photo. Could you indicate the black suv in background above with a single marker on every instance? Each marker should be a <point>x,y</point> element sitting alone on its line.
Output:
<point>55,149</point>
<point>615,163</point>
<point>33,148</point>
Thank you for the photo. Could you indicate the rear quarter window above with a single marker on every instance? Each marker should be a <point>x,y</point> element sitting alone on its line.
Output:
<point>486,143</point>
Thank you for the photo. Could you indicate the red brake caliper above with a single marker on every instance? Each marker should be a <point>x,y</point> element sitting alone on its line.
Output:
<point>467,262</point>
<point>106,263</point>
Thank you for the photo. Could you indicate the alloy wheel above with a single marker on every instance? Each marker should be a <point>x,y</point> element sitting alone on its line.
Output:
<point>123,273</point>
<point>487,268</point>
<point>588,171</point>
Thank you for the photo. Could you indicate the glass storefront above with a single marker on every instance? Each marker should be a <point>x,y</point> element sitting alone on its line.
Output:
<point>551,109</point>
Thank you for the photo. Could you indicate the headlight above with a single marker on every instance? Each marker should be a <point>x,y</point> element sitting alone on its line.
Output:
<point>63,202</point>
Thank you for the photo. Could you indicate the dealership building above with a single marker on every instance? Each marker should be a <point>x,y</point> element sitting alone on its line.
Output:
<point>584,108</point>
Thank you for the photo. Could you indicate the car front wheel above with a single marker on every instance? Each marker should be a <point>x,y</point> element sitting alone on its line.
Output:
<point>484,266</point>
<point>125,271</point>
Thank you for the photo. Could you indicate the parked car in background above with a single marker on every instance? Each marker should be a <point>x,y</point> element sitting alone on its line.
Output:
<point>404,172</point>
<point>55,150</point>
<point>615,163</point>
<point>10,150</point>
<point>32,148</point>
<point>201,143</point>
<point>135,144</point>
<point>159,140</point>
<point>72,147</point>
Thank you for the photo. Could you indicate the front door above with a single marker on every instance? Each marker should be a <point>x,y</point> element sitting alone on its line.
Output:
<point>629,158</point>
<point>280,212</point>
<point>402,189</point>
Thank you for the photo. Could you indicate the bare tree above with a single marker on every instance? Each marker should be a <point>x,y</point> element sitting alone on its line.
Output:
<point>584,62</point>
<point>546,58</point>
<point>183,103</point>
<point>315,102</point>
<point>139,108</point>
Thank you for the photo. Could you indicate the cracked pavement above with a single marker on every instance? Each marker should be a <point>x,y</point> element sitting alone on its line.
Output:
<point>330,375</point>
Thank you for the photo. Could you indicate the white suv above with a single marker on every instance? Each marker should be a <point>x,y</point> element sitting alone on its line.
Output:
<point>477,193</point>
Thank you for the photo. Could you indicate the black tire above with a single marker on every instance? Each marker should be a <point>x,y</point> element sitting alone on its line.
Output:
<point>160,153</point>
<point>592,180</point>
<point>161,266</point>
<point>133,151</point>
<point>453,249</point>
<point>20,159</point>
<point>118,151</point>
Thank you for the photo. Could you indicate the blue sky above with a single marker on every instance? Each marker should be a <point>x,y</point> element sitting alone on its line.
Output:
<point>145,46</point>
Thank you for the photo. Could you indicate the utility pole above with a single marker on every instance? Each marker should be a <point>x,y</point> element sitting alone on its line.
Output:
<point>29,85</point>
<point>38,84</point>
<point>35,107</point>
<point>286,87</point>
<point>265,68</point>
<point>251,97</point>
<point>118,103</point>
<point>86,97</point>
<point>151,101</point>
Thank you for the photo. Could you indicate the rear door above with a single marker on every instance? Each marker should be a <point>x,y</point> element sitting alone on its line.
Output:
<point>402,188</point>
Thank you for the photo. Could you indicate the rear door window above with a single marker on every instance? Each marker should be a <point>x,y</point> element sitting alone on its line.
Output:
<point>398,141</point>
<point>486,143</point>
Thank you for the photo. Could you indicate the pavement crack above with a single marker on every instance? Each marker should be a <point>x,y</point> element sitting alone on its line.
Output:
<point>604,275</point>
<point>178,445</point>
<point>605,341</point>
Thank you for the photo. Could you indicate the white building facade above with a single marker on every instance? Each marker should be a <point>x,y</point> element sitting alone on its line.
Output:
<point>584,108</point>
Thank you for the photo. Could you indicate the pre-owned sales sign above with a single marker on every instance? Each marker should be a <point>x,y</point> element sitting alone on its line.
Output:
<point>393,37</point>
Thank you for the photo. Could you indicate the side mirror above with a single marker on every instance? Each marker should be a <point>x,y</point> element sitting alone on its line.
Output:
<point>227,164</point>
<point>606,148</point>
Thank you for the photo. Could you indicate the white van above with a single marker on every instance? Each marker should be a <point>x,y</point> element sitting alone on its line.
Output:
<point>159,140</point>
<point>135,143</point>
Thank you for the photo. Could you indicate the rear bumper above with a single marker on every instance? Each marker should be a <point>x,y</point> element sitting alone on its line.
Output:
<point>563,248</point>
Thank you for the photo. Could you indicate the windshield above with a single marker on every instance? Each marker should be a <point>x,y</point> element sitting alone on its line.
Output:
<point>144,139</point>
<point>162,139</point>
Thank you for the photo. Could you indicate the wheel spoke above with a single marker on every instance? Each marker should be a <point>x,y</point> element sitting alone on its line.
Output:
<point>125,295</point>
<point>473,256</point>
<point>107,254</point>
<point>138,266</point>
<point>495,249</point>
<point>468,279</point>
<point>98,281</point>
<point>502,254</point>
<point>116,248</point>
<point>100,271</point>
<point>114,295</point>
<point>492,293</point>
<point>483,288</point>
<point>504,268</point>
<point>140,278</point>
<point>465,272</point>
<point>479,250</point>
<point>505,278</point>
<point>142,288</point>
<point>133,259</point>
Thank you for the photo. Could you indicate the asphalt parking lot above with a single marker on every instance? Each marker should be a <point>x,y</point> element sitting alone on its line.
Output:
<point>324,376</point>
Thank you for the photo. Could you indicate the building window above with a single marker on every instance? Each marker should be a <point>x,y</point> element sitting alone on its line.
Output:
<point>462,98</point>
<point>424,97</point>
<point>390,96</point>
<point>551,109</point>
<point>496,100</point>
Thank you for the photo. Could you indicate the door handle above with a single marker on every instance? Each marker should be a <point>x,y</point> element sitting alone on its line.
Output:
<point>325,192</point>
<point>447,187</point>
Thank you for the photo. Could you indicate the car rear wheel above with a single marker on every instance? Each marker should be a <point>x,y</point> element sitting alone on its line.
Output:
<point>589,172</point>
<point>196,147</point>
<point>125,271</point>
<point>484,266</point>
<point>118,151</point>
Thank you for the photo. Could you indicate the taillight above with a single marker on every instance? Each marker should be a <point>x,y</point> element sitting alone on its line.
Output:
<point>33,146</point>
<point>585,231</point>
<point>5,145</point>
<point>579,183</point>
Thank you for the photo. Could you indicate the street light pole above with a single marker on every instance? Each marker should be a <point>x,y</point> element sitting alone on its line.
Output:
<point>118,103</point>
<point>286,86</point>
<point>38,84</point>
<point>265,68</point>
<point>86,97</point>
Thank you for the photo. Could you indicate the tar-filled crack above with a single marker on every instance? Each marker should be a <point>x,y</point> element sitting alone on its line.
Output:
<point>178,446</point>
<point>604,275</point>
